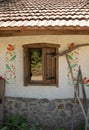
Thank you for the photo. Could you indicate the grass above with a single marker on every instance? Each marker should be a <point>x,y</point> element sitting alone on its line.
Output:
<point>17,122</point>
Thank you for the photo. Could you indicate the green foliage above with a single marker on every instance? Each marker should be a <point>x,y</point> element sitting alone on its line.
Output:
<point>81,126</point>
<point>24,126</point>
<point>16,122</point>
<point>4,128</point>
<point>60,129</point>
<point>36,57</point>
<point>32,127</point>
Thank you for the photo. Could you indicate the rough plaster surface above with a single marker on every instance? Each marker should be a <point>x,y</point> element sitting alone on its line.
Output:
<point>63,90</point>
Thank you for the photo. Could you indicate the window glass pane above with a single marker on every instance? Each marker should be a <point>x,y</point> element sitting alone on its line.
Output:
<point>36,64</point>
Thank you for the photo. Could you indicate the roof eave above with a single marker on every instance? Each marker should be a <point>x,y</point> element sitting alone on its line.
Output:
<point>57,30</point>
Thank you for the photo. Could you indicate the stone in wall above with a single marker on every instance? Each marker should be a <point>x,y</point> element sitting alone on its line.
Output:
<point>44,112</point>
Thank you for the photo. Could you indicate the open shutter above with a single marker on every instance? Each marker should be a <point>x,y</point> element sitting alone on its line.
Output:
<point>26,66</point>
<point>50,66</point>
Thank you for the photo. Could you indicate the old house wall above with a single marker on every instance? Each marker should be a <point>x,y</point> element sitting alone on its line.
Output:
<point>11,65</point>
<point>43,105</point>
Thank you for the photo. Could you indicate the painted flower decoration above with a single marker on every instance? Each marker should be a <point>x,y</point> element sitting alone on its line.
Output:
<point>10,73</point>
<point>10,47</point>
<point>85,80</point>
<point>0,77</point>
<point>71,45</point>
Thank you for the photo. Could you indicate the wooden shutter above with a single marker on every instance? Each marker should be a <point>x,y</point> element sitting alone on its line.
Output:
<point>26,66</point>
<point>50,66</point>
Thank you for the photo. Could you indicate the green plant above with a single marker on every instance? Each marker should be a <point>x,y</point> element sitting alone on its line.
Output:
<point>32,127</point>
<point>80,126</point>
<point>4,128</point>
<point>15,119</point>
<point>16,122</point>
<point>60,129</point>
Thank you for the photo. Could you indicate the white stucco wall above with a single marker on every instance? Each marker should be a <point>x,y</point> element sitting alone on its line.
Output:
<point>63,90</point>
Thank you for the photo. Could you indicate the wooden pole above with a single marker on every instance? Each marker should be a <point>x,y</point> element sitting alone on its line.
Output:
<point>75,91</point>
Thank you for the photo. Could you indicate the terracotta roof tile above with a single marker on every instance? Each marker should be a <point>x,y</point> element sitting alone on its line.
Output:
<point>44,13</point>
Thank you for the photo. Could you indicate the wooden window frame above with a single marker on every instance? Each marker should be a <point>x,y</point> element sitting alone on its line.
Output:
<point>26,60</point>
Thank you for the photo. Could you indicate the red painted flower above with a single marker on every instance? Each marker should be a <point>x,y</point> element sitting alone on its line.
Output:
<point>85,80</point>
<point>0,77</point>
<point>10,47</point>
<point>71,45</point>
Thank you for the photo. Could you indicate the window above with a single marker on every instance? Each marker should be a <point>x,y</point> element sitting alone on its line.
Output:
<point>40,68</point>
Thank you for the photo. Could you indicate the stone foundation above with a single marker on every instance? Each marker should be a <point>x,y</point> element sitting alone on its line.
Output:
<point>44,112</point>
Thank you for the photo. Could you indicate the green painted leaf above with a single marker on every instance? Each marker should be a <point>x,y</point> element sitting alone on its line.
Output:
<point>70,83</point>
<point>13,58</point>
<point>70,57</point>
<point>87,85</point>
<point>72,66</point>
<point>7,82</point>
<point>8,67</point>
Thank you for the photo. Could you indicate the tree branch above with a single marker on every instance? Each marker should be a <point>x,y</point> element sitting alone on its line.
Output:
<point>69,50</point>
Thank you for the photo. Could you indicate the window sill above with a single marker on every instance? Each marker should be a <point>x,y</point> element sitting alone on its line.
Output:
<point>40,84</point>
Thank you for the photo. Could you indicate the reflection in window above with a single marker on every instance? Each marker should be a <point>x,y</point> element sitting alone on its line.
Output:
<point>36,64</point>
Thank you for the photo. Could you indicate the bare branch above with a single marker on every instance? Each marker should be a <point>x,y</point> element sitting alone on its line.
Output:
<point>69,50</point>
